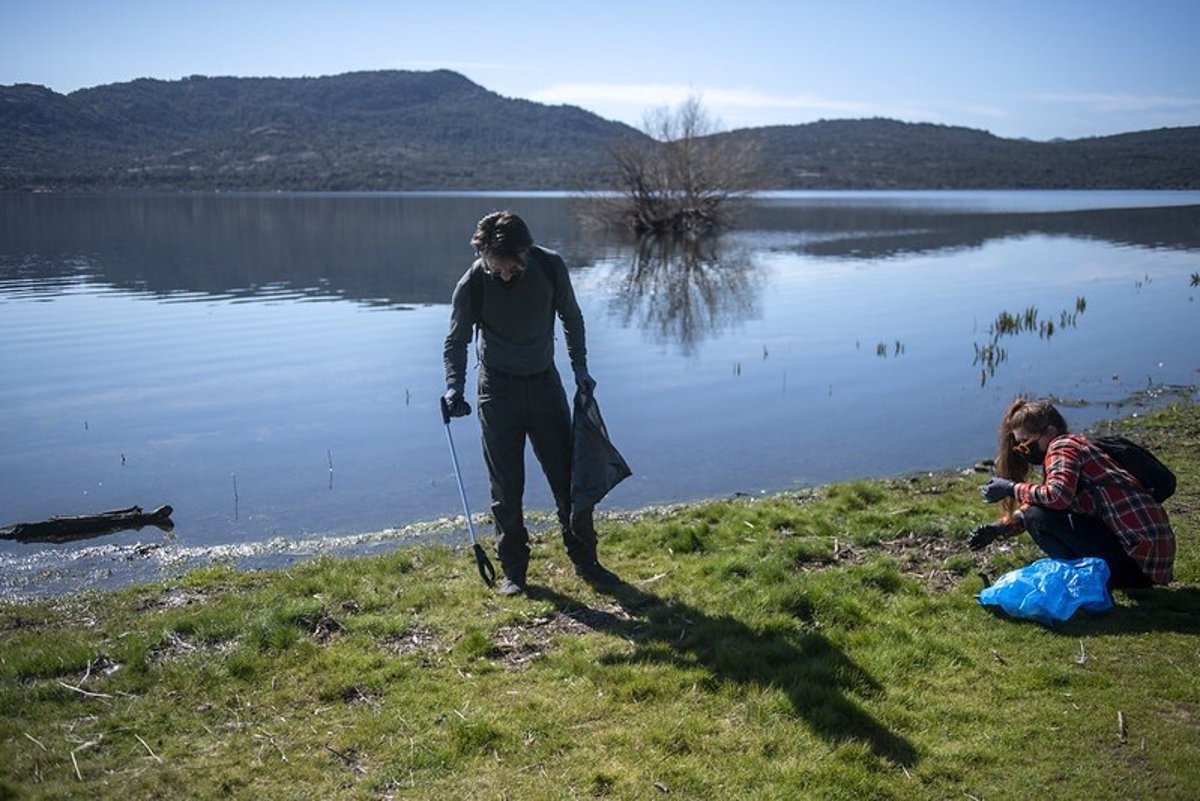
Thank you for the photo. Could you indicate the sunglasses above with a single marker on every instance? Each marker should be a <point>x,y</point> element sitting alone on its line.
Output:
<point>1025,447</point>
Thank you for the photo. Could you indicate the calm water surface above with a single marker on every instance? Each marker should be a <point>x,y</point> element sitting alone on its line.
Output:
<point>270,365</point>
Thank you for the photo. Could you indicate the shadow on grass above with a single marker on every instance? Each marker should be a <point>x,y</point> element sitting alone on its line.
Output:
<point>1159,609</point>
<point>814,674</point>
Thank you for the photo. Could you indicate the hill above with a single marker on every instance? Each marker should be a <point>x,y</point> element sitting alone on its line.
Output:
<point>886,154</point>
<point>368,131</point>
<point>398,130</point>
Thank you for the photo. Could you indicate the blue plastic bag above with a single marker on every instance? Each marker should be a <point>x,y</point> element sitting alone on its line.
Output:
<point>1052,590</point>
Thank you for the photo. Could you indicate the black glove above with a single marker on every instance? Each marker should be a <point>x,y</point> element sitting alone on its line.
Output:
<point>584,381</point>
<point>456,404</point>
<point>996,489</point>
<point>984,535</point>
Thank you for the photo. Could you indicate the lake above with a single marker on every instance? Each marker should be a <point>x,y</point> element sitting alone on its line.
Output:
<point>270,365</point>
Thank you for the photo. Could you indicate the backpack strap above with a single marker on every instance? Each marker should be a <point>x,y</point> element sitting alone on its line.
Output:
<point>475,282</point>
<point>1151,475</point>
<point>548,266</point>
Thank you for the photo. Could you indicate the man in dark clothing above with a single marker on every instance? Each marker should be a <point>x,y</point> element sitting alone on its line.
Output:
<point>512,294</point>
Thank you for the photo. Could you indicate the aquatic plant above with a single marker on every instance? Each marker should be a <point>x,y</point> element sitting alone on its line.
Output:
<point>989,356</point>
<point>1006,324</point>
<point>897,348</point>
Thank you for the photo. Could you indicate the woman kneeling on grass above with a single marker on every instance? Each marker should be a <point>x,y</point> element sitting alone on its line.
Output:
<point>1087,504</point>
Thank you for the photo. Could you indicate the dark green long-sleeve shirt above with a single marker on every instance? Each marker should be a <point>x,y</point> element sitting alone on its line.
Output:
<point>516,325</point>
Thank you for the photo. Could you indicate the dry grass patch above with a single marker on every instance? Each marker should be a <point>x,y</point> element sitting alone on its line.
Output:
<point>516,646</point>
<point>932,560</point>
<point>414,641</point>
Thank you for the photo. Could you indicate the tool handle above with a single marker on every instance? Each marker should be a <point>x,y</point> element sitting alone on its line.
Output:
<point>486,570</point>
<point>462,489</point>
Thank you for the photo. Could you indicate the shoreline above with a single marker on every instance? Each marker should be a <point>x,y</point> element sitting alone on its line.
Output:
<point>756,647</point>
<point>105,569</point>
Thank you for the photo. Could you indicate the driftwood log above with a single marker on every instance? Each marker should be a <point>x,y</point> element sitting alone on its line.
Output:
<point>68,529</point>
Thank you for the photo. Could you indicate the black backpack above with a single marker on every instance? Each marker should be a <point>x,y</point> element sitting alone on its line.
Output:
<point>1155,476</point>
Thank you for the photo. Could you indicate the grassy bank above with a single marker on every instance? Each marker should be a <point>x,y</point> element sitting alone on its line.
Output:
<point>819,645</point>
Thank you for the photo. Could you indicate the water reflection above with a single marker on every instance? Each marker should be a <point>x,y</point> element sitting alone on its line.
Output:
<point>397,250</point>
<point>390,250</point>
<point>883,231</point>
<point>681,290</point>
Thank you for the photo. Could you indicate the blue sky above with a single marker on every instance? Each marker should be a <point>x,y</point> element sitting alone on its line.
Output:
<point>1046,69</point>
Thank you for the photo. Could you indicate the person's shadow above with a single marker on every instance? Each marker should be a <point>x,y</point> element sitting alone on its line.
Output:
<point>1157,609</point>
<point>814,674</point>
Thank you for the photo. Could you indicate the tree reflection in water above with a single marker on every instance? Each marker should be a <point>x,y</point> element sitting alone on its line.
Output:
<point>684,289</point>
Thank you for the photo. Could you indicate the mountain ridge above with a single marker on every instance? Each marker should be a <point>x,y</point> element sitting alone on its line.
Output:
<point>409,130</point>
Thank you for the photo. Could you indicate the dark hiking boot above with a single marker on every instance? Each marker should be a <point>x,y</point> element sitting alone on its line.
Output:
<point>510,588</point>
<point>595,573</point>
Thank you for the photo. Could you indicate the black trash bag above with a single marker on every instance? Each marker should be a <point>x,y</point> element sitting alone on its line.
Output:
<point>596,465</point>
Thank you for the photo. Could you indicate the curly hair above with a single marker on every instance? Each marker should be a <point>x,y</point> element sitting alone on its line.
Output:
<point>502,234</point>
<point>1035,417</point>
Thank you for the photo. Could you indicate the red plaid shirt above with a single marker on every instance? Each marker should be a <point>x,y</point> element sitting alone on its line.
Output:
<point>1082,479</point>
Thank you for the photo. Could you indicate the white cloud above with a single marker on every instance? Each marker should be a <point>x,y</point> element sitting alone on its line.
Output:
<point>989,112</point>
<point>457,66</point>
<point>651,94</point>
<point>741,106</point>
<point>1121,103</point>
<point>582,94</point>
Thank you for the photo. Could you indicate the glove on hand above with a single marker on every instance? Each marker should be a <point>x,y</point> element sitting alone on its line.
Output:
<point>984,535</point>
<point>996,489</point>
<point>456,404</point>
<point>584,381</point>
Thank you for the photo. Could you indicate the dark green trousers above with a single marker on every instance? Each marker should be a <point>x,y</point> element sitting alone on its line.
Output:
<point>511,410</point>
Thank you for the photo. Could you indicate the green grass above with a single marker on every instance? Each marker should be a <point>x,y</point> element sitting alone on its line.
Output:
<point>820,645</point>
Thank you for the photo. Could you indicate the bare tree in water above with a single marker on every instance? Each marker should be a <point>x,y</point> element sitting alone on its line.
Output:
<point>683,179</point>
